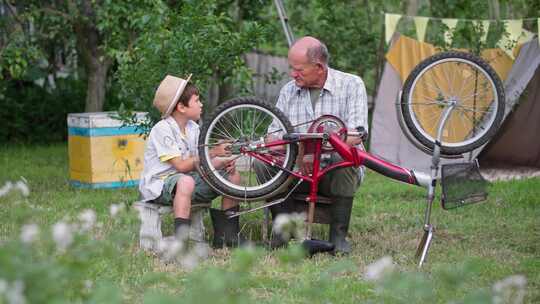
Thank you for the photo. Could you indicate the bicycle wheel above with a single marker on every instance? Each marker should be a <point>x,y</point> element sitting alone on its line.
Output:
<point>453,77</point>
<point>246,123</point>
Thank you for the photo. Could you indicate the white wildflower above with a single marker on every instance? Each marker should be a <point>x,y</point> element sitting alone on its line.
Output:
<point>88,284</point>
<point>29,233</point>
<point>6,188</point>
<point>201,250</point>
<point>170,248</point>
<point>62,235</point>
<point>378,269</point>
<point>15,293</point>
<point>3,286</point>
<point>88,219</point>
<point>115,209</point>
<point>23,187</point>
<point>510,290</point>
<point>290,225</point>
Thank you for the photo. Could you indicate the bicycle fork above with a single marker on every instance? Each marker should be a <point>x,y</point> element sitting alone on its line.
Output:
<point>425,242</point>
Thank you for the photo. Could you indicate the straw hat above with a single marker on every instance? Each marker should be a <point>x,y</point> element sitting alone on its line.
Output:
<point>169,91</point>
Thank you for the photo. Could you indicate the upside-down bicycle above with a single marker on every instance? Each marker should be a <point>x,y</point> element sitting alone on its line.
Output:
<point>450,104</point>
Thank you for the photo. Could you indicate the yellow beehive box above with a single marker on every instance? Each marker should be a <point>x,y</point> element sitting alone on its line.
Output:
<point>102,152</point>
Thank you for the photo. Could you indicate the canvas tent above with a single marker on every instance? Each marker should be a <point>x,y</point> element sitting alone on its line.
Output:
<point>516,143</point>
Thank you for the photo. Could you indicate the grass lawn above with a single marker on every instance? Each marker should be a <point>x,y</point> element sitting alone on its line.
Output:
<point>474,247</point>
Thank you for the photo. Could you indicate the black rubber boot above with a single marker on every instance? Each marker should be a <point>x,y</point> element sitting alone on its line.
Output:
<point>226,231</point>
<point>339,225</point>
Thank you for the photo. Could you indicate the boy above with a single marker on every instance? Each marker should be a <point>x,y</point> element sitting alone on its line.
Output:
<point>170,161</point>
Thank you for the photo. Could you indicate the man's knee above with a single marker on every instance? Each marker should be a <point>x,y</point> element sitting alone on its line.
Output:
<point>341,182</point>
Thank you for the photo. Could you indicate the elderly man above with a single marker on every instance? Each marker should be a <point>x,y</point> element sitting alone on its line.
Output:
<point>317,89</point>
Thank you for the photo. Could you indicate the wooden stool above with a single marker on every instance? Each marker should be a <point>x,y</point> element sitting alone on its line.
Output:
<point>150,234</point>
<point>322,207</point>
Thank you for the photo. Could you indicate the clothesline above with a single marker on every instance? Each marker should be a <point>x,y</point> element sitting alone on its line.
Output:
<point>513,27</point>
<point>466,19</point>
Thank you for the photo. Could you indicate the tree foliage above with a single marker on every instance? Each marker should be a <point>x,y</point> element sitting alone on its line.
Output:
<point>128,46</point>
<point>354,30</point>
<point>141,41</point>
<point>350,29</point>
<point>71,34</point>
<point>192,38</point>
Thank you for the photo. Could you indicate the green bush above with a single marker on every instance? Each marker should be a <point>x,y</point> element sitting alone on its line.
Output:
<point>30,113</point>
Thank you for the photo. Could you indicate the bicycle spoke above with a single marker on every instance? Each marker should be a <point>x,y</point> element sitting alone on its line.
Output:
<point>222,133</point>
<point>471,109</point>
<point>474,94</point>
<point>224,130</point>
<point>238,123</point>
<point>435,89</point>
<point>469,83</point>
<point>434,103</point>
<point>244,126</point>
<point>450,82</point>
<point>459,79</point>
<point>231,120</point>
<point>259,124</point>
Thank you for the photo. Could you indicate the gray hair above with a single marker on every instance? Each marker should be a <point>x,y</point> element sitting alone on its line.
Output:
<point>318,53</point>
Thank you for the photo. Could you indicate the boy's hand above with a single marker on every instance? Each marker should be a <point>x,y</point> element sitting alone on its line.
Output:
<point>196,161</point>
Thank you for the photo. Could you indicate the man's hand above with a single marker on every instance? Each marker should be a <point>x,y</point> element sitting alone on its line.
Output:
<point>230,166</point>
<point>224,163</point>
<point>222,149</point>
<point>358,139</point>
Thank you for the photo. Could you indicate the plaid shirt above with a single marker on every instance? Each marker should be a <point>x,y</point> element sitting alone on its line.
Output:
<point>343,95</point>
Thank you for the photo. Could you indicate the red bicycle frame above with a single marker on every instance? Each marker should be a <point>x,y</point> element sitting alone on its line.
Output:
<point>351,157</point>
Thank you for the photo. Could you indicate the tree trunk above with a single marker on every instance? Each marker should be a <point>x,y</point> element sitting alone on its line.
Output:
<point>94,59</point>
<point>218,93</point>
<point>97,80</point>
<point>510,10</point>
<point>212,99</point>
<point>412,7</point>
<point>494,9</point>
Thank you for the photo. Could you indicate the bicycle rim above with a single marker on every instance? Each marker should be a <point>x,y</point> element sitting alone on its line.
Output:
<point>477,105</point>
<point>245,126</point>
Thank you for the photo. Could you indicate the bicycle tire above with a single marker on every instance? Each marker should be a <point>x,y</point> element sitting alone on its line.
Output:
<point>486,119</point>
<point>244,105</point>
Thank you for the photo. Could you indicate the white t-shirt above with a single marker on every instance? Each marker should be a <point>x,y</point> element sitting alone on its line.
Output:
<point>164,143</point>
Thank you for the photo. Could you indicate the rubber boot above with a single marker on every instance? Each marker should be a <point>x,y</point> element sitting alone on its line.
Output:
<point>226,231</point>
<point>339,225</point>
